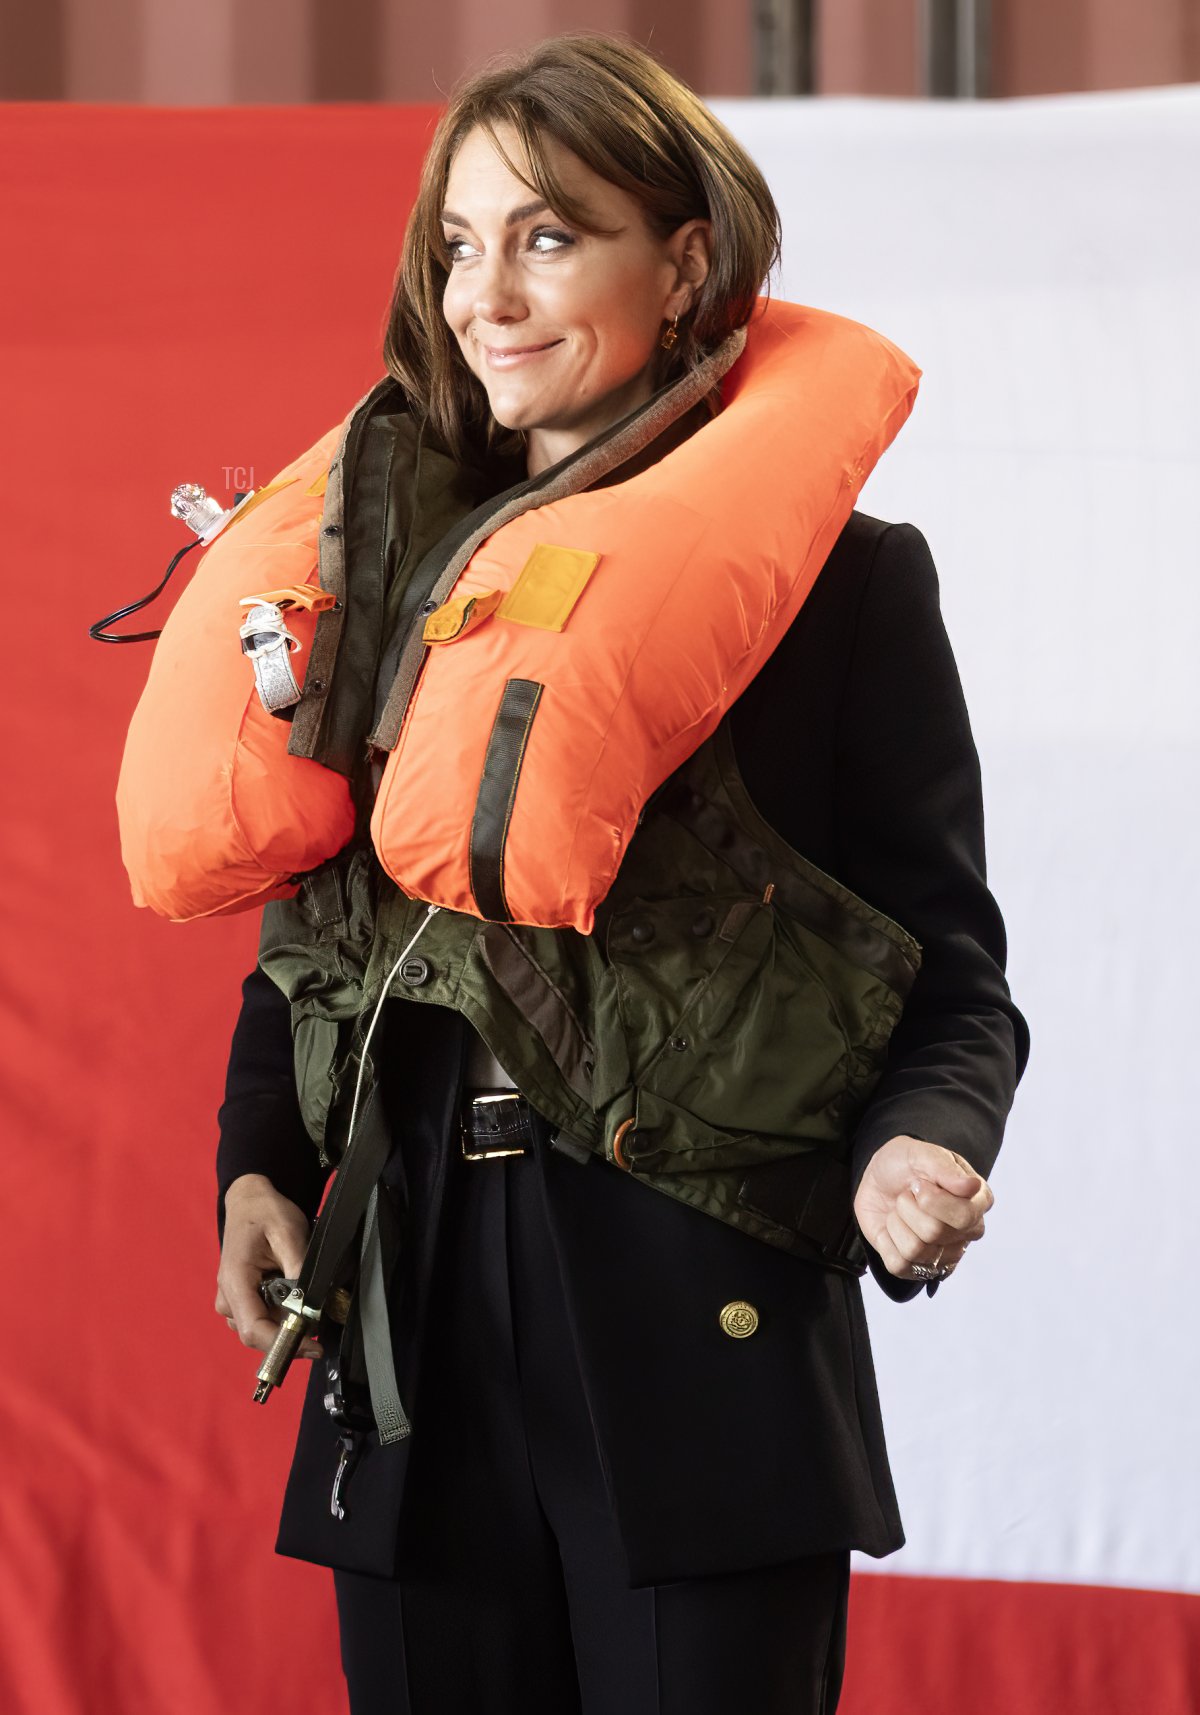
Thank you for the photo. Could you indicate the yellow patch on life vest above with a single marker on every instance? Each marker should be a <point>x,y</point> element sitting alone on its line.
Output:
<point>458,616</point>
<point>550,583</point>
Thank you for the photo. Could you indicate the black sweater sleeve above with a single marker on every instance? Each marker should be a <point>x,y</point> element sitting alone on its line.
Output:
<point>910,832</point>
<point>261,1128</point>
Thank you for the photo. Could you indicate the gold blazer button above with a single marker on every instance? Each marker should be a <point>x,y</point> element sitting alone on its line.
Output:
<point>739,1319</point>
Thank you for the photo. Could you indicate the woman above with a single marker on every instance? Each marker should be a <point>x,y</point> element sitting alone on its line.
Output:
<point>610,1500</point>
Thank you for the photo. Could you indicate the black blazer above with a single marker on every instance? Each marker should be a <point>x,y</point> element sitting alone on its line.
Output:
<point>855,744</point>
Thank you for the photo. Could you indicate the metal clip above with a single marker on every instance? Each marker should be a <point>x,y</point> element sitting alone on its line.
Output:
<point>351,1447</point>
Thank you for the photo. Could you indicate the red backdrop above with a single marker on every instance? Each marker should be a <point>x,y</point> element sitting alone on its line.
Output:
<point>190,291</point>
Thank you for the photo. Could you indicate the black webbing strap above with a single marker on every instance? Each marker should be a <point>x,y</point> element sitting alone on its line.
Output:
<point>497,790</point>
<point>387,1408</point>
<point>809,1194</point>
<point>353,1198</point>
<point>365,1158</point>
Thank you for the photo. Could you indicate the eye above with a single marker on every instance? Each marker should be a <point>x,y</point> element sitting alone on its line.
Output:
<point>558,240</point>
<point>451,248</point>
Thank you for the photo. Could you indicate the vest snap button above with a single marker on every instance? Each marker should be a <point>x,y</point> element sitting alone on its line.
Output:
<point>642,932</point>
<point>414,972</point>
<point>679,1043</point>
<point>703,925</point>
<point>332,530</point>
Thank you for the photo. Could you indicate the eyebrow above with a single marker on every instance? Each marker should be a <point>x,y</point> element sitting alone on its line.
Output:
<point>514,215</point>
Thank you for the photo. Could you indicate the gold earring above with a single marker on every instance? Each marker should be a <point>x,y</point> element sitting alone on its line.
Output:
<point>671,335</point>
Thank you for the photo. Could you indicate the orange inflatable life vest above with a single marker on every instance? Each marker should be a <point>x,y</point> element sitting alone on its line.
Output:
<point>581,646</point>
<point>214,815</point>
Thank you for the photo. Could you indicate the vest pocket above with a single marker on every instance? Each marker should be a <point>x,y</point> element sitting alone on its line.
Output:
<point>745,1044</point>
<point>313,947</point>
<point>315,1044</point>
<point>680,962</point>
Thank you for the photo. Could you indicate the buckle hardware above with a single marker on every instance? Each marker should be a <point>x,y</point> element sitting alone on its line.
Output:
<point>469,1136</point>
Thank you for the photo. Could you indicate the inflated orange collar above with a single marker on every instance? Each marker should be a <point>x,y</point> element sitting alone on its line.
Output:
<point>578,652</point>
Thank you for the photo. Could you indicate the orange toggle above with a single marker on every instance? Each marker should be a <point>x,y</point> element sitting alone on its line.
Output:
<point>311,597</point>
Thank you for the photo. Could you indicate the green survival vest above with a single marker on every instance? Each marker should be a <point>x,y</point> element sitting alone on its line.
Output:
<point>730,1010</point>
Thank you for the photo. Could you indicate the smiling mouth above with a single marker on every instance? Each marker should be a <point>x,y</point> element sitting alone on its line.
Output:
<point>508,358</point>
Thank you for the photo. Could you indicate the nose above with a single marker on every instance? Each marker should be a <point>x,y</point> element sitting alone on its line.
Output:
<point>497,296</point>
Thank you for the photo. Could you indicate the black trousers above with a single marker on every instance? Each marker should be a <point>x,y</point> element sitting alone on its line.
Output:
<point>517,1601</point>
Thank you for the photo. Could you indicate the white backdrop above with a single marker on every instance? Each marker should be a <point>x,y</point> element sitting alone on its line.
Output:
<point>1040,260</point>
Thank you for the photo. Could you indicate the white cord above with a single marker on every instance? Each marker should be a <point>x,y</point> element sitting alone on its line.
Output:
<point>387,983</point>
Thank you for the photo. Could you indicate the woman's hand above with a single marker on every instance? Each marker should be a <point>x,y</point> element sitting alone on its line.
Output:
<point>919,1203</point>
<point>264,1231</point>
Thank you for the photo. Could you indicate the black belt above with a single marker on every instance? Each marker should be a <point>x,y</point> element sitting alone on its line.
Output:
<point>808,1193</point>
<point>495,1124</point>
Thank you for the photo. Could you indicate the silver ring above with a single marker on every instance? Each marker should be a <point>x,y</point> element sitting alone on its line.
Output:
<point>924,1271</point>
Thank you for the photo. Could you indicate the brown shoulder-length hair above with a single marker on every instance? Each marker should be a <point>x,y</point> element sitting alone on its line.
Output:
<point>625,116</point>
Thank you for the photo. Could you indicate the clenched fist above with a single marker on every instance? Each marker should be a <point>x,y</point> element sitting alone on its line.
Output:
<point>920,1204</point>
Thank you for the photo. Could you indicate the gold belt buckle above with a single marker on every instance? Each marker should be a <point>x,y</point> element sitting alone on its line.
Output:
<point>488,1154</point>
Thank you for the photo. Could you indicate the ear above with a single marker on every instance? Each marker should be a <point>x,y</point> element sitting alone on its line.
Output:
<point>690,247</point>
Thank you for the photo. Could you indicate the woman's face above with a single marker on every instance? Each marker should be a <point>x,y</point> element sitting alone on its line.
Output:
<point>560,326</point>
